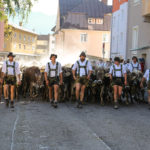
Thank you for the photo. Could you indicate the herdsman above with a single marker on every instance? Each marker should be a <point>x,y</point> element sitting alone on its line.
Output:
<point>84,70</point>
<point>147,78</point>
<point>134,66</point>
<point>11,73</point>
<point>53,78</point>
<point>118,76</point>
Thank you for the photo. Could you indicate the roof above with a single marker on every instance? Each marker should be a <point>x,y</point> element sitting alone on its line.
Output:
<point>22,28</point>
<point>93,8</point>
<point>43,37</point>
<point>74,14</point>
<point>67,5</point>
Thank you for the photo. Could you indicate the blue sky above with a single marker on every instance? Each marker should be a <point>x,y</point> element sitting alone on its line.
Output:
<point>43,16</point>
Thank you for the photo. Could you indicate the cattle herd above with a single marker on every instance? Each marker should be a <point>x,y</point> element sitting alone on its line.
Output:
<point>99,89</point>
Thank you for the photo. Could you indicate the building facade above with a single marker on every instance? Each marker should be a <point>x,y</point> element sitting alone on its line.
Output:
<point>1,36</point>
<point>43,44</point>
<point>119,28</point>
<point>21,42</point>
<point>83,26</point>
<point>139,30</point>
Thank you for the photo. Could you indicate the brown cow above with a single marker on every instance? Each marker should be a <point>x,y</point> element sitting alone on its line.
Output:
<point>32,81</point>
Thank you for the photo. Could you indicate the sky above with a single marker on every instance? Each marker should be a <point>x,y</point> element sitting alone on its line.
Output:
<point>45,10</point>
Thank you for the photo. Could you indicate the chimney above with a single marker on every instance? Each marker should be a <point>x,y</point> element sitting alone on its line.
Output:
<point>20,24</point>
<point>105,1</point>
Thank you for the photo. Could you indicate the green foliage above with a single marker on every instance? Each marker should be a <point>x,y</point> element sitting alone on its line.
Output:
<point>11,8</point>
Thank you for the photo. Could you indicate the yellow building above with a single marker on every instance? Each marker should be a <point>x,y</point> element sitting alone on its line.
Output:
<point>83,27</point>
<point>21,42</point>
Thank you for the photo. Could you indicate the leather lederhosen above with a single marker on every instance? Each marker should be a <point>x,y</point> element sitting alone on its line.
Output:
<point>53,80</point>
<point>10,79</point>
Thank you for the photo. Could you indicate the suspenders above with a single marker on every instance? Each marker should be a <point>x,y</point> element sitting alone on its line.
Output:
<point>12,66</point>
<point>117,70</point>
<point>135,67</point>
<point>85,68</point>
<point>50,70</point>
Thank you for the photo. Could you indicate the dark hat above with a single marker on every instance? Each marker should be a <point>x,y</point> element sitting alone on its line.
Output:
<point>83,54</point>
<point>117,59</point>
<point>11,54</point>
<point>53,55</point>
<point>134,57</point>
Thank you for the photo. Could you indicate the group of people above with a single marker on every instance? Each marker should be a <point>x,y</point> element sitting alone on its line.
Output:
<point>81,71</point>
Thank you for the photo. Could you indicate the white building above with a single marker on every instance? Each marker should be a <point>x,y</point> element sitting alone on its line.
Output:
<point>119,29</point>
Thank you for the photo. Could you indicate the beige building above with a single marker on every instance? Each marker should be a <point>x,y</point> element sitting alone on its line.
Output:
<point>138,36</point>
<point>21,42</point>
<point>83,27</point>
<point>43,44</point>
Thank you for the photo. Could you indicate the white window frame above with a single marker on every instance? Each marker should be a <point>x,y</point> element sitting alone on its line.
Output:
<point>99,21</point>
<point>91,21</point>
<point>19,46</point>
<point>135,39</point>
<point>83,37</point>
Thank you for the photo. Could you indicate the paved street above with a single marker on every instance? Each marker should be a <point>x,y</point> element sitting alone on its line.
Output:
<point>37,126</point>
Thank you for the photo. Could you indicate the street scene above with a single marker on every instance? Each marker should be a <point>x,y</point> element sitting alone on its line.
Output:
<point>74,75</point>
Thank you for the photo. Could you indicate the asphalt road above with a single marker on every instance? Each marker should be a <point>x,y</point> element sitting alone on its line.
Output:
<point>38,126</point>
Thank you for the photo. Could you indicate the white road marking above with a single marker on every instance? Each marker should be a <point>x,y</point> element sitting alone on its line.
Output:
<point>43,147</point>
<point>108,148</point>
<point>13,132</point>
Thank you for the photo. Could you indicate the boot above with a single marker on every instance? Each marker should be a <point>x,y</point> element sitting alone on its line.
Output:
<point>79,104</point>
<point>116,105</point>
<point>51,102</point>
<point>7,102</point>
<point>11,104</point>
<point>55,104</point>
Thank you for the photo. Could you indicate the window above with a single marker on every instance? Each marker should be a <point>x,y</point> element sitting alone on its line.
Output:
<point>24,47</point>
<point>105,38</point>
<point>5,45</point>
<point>135,31</point>
<point>33,48</point>
<point>136,2</point>
<point>24,38</point>
<point>15,46</point>
<point>91,21</point>
<point>15,35</point>
<point>29,38</point>
<point>32,39</point>
<point>84,37</point>
<point>19,36</point>
<point>19,46</point>
<point>99,21</point>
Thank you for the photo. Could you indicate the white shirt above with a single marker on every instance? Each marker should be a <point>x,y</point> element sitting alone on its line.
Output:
<point>82,70</point>
<point>134,67</point>
<point>101,64</point>
<point>11,69</point>
<point>118,73</point>
<point>53,66</point>
<point>128,66</point>
<point>146,75</point>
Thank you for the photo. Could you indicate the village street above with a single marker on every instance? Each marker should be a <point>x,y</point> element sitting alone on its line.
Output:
<point>38,126</point>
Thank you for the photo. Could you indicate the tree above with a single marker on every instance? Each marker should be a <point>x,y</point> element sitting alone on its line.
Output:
<point>11,8</point>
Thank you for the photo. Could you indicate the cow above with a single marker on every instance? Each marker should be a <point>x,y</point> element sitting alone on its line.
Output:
<point>32,81</point>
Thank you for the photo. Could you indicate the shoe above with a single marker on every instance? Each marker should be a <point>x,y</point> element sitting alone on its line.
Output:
<point>11,104</point>
<point>52,102</point>
<point>55,105</point>
<point>79,104</point>
<point>116,105</point>
<point>7,102</point>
